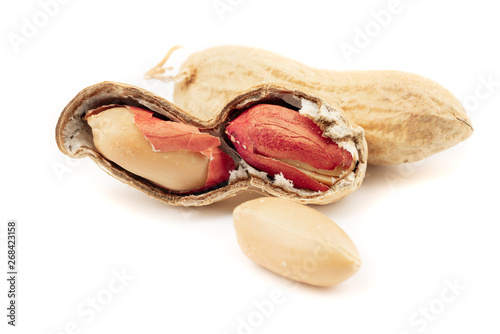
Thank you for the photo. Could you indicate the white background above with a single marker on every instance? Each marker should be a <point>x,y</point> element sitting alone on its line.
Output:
<point>419,228</point>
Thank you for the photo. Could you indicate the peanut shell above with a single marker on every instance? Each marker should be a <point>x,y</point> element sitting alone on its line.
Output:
<point>406,117</point>
<point>74,138</point>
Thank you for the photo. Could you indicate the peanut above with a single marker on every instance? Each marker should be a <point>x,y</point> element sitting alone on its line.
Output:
<point>406,117</point>
<point>295,241</point>
<point>120,140</point>
<point>277,140</point>
<point>158,148</point>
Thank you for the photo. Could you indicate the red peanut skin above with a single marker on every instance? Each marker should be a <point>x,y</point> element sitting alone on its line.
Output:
<point>265,132</point>
<point>166,136</point>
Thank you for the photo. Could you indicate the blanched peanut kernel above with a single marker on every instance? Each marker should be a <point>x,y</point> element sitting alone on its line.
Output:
<point>295,241</point>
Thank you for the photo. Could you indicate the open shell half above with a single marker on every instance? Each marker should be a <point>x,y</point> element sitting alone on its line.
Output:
<point>74,138</point>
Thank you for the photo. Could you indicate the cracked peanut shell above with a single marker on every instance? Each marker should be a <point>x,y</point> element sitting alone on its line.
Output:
<point>74,138</point>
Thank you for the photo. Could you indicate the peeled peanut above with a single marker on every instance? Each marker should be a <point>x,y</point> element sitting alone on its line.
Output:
<point>295,241</point>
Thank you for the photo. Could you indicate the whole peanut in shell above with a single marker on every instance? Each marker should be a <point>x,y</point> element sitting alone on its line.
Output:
<point>406,117</point>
